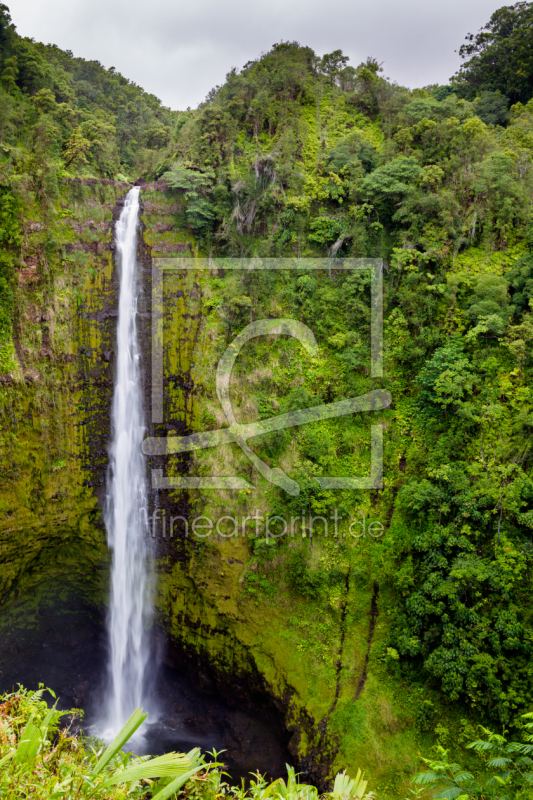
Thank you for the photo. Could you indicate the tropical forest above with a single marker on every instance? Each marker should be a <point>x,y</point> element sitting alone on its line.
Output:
<point>266,401</point>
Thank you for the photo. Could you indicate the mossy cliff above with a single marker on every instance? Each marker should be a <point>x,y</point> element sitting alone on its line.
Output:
<point>332,628</point>
<point>301,620</point>
<point>225,604</point>
<point>56,392</point>
<point>303,623</point>
<point>370,643</point>
<point>321,664</point>
<point>55,401</point>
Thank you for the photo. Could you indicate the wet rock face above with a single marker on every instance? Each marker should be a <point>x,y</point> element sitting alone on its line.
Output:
<point>65,650</point>
<point>56,402</point>
<point>97,321</point>
<point>161,237</point>
<point>52,620</point>
<point>229,701</point>
<point>192,717</point>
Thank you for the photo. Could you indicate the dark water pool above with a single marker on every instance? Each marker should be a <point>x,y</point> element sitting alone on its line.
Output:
<point>68,653</point>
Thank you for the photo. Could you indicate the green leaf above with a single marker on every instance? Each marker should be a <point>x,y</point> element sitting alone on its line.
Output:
<point>348,787</point>
<point>496,763</point>
<point>168,791</point>
<point>164,766</point>
<point>6,758</point>
<point>425,778</point>
<point>32,737</point>
<point>126,732</point>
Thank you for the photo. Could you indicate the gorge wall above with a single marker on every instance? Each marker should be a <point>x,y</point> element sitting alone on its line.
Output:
<point>257,648</point>
<point>358,650</point>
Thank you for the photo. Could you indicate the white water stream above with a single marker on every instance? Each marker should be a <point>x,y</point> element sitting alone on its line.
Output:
<point>126,517</point>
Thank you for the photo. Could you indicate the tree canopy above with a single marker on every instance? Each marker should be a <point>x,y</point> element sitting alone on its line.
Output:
<point>500,57</point>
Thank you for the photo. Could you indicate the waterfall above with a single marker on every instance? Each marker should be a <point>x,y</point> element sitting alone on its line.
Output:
<point>126,511</point>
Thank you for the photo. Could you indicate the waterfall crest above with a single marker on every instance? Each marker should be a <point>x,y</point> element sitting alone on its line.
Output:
<point>126,512</point>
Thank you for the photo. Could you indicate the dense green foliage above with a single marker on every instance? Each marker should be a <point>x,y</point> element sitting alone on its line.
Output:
<point>297,155</point>
<point>39,758</point>
<point>289,159</point>
<point>60,111</point>
<point>503,770</point>
<point>60,117</point>
<point>500,57</point>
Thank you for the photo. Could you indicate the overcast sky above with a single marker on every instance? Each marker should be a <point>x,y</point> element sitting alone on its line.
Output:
<point>179,50</point>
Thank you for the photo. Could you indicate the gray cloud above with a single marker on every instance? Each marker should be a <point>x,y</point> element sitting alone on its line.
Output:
<point>179,51</point>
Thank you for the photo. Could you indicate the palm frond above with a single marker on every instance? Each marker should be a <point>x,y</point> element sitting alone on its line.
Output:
<point>499,763</point>
<point>426,778</point>
<point>165,766</point>
<point>480,745</point>
<point>175,786</point>
<point>463,776</point>
<point>126,732</point>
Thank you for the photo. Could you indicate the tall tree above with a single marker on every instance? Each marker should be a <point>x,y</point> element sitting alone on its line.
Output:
<point>500,56</point>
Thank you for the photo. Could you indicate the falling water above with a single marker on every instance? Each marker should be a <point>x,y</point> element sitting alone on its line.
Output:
<point>126,518</point>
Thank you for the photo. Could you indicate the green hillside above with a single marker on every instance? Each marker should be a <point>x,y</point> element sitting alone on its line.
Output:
<point>375,648</point>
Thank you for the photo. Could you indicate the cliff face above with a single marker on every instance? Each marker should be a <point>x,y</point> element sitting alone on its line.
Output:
<point>315,663</point>
<point>57,394</point>
<point>364,644</point>
<point>230,614</point>
<point>55,418</point>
